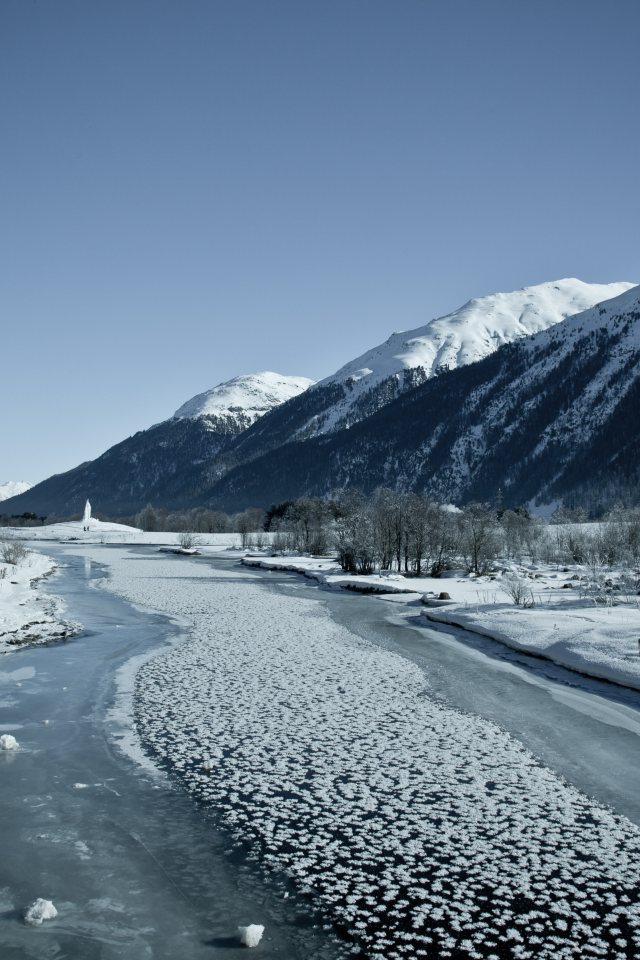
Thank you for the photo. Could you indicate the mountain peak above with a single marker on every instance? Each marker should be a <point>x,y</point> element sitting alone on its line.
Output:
<point>464,336</point>
<point>253,394</point>
<point>14,488</point>
<point>478,328</point>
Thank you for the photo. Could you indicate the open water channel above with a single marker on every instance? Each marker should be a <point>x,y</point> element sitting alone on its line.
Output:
<point>134,867</point>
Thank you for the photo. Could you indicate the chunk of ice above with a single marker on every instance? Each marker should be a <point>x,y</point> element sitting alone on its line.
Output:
<point>251,936</point>
<point>7,742</point>
<point>38,911</point>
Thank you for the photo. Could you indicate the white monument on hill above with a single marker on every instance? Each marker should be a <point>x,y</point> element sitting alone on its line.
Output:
<point>87,513</point>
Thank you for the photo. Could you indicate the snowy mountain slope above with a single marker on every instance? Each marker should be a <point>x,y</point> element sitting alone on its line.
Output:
<point>170,463</point>
<point>554,415</point>
<point>411,428</point>
<point>244,399</point>
<point>465,336</point>
<point>14,488</point>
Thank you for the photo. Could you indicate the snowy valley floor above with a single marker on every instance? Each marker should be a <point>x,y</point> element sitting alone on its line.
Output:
<point>421,830</point>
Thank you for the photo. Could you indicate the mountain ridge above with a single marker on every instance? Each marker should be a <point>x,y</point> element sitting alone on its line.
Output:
<point>216,460</point>
<point>544,417</point>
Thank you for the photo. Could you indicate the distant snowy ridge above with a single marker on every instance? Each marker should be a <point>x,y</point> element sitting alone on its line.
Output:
<point>468,334</point>
<point>13,488</point>
<point>246,397</point>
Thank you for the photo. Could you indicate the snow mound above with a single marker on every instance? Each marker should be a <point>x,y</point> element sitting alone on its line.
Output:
<point>38,911</point>
<point>252,935</point>
<point>7,742</point>
<point>13,488</point>
<point>253,394</point>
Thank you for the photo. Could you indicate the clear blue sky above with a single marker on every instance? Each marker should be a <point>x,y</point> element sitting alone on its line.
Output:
<point>196,189</point>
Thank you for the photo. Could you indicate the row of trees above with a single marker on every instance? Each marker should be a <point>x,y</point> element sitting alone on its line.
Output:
<point>389,530</point>
<point>412,534</point>
<point>198,520</point>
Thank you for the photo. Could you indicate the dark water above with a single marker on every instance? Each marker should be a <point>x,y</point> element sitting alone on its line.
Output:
<point>134,868</point>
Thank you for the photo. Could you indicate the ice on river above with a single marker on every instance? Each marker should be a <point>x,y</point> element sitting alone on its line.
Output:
<point>420,829</point>
<point>252,935</point>
<point>38,911</point>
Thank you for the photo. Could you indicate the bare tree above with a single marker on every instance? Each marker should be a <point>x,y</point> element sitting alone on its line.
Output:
<point>147,519</point>
<point>353,534</point>
<point>479,541</point>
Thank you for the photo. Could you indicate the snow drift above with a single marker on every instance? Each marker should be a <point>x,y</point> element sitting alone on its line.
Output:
<point>38,911</point>
<point>251,936</point>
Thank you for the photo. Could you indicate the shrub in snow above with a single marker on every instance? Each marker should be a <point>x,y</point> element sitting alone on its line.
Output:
<point>12,551</point>
<point>7,742</point>
<point>188,540</point>
<point>518,589</point>
<point>38,911</point>
<point>251,936</point>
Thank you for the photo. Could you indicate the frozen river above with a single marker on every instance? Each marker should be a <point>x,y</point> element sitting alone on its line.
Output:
<point>134,868</point>
<point>413,753</point>
<point>586,730</point>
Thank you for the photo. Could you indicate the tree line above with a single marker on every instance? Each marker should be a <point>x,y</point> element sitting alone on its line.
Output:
<point>415,535</point>
<point>405,532</point>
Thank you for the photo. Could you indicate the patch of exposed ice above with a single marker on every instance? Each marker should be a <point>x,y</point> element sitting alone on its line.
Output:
<point>82,850</point>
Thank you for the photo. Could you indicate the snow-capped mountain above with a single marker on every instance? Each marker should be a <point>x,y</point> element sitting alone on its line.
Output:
<point>458,407</point>
<point>470,333</point>
<point>550,416</point>
<point>171,462</point>
<point>14,488</point>
<point>247,397</point>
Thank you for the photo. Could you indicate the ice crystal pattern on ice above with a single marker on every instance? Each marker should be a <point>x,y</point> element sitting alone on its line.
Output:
<point>419,829</point>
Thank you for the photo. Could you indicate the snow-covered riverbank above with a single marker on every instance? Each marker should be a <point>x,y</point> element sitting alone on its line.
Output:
<point>28,614</point>
<point>596,635</point>
<point>117,533</point>
<point>419,829</point>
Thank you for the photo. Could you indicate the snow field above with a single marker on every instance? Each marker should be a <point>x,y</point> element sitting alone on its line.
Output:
<point>419,829</point>
<point>118,533</point>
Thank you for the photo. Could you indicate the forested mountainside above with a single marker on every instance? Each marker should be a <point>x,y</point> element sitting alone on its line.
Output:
<point>551,416</point>
<point>458,433</point>
<point>160,464</point>
<point>171,462</point>
<point>466,335</point>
